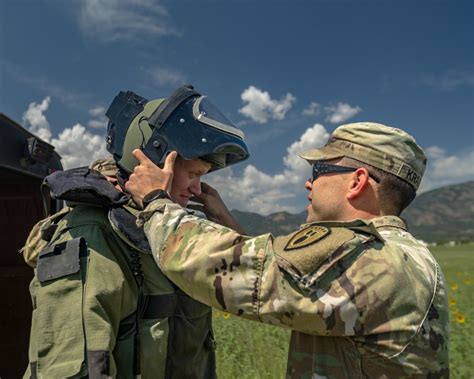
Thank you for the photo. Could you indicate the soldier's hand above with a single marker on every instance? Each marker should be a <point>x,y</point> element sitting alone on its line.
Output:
<point>147,176</point>
<point>210,202</point>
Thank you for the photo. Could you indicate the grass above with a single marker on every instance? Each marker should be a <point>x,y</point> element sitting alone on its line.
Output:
<point>457,263</point>
<point>251,350</point>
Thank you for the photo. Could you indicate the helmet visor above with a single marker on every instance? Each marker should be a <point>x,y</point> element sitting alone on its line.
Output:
<point>204,111</point>
<point>197,129</point>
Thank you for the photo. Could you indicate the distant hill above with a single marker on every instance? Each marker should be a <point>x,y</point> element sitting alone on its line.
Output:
<point>443,214</point>
<point>446,213</point>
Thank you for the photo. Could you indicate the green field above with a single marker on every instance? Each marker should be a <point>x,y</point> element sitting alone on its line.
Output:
<point>252,350</point>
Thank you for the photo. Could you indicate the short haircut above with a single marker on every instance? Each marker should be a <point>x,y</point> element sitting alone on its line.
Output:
<point>394,193</point>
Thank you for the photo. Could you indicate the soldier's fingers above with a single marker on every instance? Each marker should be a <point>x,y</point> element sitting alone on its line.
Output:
<point>198,198</point>
<point>169,161</point>
<point>128,185</point>
<point>140,156</point>
<point>196,207</point>
<point>207,189</point>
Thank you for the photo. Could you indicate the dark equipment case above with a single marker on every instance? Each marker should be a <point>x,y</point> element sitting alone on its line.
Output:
<point>24,161</point>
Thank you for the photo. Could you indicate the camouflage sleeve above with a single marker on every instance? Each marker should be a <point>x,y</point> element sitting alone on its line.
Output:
<point>255,277</point>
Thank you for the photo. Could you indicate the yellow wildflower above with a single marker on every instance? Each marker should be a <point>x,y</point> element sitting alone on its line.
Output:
<point>467,281</point>
<point>452,301</point>
<point>226,315</point>
<point>460,319</point>
<point>458,274</point>
<point>454,286</point>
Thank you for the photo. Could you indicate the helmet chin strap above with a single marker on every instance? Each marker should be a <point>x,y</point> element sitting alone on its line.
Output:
<point>122,178</point>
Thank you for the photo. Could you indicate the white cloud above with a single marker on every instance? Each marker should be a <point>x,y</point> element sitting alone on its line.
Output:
<point>341,112</point>
<point>444,168</point>
<point>261,107</point>
<point>97,111</point>
<point>165,76</point>
<point>313,109</point>
<point>99,120</point>
<point>313,137</point>
<point>76,145</point>
<point>259,192</point>
<point>35,120</point>
<point>112,20</point>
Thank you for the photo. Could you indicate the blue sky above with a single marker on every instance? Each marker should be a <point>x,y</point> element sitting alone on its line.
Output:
<point>287,72</point>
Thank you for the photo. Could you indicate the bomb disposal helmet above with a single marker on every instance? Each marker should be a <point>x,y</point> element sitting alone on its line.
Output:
<point>186,122</point>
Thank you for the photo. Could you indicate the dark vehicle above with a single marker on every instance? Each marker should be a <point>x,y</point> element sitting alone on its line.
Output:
<point>24,161</point>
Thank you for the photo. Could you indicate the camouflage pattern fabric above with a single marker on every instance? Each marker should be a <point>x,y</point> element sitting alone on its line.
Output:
<point>389,149</point>
<point>364,299</point>
<point>106,166</point>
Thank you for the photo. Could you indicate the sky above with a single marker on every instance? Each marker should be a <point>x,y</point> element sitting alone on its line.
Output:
<point>286,72</point>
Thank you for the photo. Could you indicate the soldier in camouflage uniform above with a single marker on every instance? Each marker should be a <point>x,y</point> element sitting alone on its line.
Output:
<point>101,306</point>
<point>363,297</point>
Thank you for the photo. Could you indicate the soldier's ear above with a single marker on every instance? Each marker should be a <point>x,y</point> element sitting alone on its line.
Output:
<point>358,183</point>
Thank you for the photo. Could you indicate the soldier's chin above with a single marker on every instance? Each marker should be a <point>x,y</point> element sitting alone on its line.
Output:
<point>183,201</point>
<point>310,216</point>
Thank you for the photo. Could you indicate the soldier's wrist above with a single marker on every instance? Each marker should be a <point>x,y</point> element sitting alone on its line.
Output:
<point>154,195</point>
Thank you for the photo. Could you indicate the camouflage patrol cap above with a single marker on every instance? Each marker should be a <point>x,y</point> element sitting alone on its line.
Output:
<point>106,166</point>
<point>389,149</point>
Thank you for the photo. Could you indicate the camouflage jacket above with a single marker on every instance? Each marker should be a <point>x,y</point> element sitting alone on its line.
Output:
<point>364,299</point>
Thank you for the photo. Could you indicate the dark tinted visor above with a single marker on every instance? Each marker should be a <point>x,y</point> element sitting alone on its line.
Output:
<point>205,112</point>
<point>197,129</point>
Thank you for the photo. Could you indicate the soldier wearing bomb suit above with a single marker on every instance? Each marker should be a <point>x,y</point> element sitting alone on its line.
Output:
<point>102,308</point>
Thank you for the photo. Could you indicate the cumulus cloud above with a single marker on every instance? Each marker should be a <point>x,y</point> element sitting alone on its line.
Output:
<point>444,168</point>
<point>260,107</point>
<point>341,112</point>
<point>112,20</point>
<point>313,109</point>
<point>166,76</point>
<point>35,120</point>
<point>257,191</point>
<point>99,120</point>
<point>313,137</point>
<point>76,146</point>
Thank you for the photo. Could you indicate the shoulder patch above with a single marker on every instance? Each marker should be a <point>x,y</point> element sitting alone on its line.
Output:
<point>306,237</point>
<point>312,247</point>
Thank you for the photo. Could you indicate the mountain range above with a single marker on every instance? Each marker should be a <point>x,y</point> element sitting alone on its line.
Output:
<point>442,214</point>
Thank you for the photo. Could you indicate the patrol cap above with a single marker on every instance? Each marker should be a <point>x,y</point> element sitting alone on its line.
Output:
<point>106,166</point>
<point>389,149</point>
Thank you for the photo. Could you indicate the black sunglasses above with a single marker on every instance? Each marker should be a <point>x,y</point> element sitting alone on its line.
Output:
<point>320,168</point>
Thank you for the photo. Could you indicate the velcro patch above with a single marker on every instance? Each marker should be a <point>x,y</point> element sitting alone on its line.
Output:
<point>307,236</point>
<point>312,246</point>
<point>61,259</point>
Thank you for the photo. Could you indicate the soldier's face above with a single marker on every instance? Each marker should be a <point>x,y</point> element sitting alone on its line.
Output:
<point>187,179</point>
<point>326,197</point>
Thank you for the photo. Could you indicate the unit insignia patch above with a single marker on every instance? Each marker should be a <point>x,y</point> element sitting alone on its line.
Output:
<point>307,236</point>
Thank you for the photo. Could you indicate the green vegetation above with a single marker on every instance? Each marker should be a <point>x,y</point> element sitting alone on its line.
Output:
<point>457,263</point>
<point>251,350</point>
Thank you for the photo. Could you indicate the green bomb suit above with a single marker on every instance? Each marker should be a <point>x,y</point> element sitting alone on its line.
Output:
<point>102,308</point>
